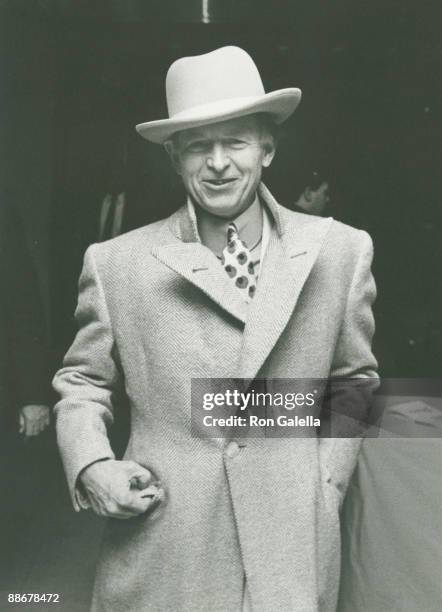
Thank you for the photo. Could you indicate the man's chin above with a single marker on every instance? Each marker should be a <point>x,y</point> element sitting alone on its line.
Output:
<point>220,207</point>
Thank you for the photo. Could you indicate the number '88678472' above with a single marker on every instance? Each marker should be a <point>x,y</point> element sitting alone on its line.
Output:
<point>33,597</point>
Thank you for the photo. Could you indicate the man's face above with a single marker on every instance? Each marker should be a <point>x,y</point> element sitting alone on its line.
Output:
<point>319,199</point>
<point>221,164</point>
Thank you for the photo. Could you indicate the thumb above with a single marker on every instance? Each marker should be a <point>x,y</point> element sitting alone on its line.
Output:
<point>21,421</point>
<point>140,477</point>
<point>143,479</point>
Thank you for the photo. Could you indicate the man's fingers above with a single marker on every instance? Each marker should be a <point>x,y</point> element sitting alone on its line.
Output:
<point>136,469</point>
<point>121,489</point>
<point>108,508</point>
<point>140,477</point>
<point>151,492</point>
<point>34,418</point>
<point>143,503</point>
<point>138,502</point>
<point>42,424</point>
<point>28,428</point>
<point>156,495</point>
<point>130,509</point>
<point>46,419</point>
<point>140,481</point>
<point>34,428</point>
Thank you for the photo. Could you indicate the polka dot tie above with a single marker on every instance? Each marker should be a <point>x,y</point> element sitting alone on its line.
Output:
<point>237,262</point>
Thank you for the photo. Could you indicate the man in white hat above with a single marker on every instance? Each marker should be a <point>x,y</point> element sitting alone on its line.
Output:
<point>232,285</point>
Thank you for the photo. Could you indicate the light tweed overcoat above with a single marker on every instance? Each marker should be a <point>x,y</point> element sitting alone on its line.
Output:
<point>156,309</point>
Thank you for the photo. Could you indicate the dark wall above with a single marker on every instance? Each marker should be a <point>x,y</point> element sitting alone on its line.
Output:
<point>369,119</point>
<point>27,105</point>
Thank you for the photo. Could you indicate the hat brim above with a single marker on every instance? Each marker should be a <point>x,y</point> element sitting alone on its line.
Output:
<point>279,104</point>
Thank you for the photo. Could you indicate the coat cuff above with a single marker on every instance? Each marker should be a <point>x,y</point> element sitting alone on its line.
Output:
<point>73,470</point>
<point>79,496</point>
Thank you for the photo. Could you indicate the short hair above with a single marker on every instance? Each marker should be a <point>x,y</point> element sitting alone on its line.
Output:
<point>268,127</point>
<point>316,179</point>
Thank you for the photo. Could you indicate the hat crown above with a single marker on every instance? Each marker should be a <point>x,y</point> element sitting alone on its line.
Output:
<point>223,74</point>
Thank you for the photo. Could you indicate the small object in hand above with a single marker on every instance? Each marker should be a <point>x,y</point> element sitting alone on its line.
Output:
<point>152,490</point>
<point>136,483</point>
<point>158,495</point>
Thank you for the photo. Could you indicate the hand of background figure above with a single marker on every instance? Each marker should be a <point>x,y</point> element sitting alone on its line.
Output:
<point>120,489</point>
<point>33,419</point>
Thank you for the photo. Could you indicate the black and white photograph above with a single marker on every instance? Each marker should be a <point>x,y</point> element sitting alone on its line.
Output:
<point>221,306</point>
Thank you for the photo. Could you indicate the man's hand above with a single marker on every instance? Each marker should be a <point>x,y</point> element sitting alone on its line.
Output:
<point>33,419</point>
<point>120,489</point>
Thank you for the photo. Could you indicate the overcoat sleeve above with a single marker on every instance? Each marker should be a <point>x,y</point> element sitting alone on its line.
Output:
<point>89,375</point>
<point>353,357</point>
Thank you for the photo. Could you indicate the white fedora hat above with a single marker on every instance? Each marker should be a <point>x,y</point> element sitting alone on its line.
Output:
<point>220,85</point>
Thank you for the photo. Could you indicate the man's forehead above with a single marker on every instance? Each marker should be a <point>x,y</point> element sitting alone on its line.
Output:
<point>231,127</point>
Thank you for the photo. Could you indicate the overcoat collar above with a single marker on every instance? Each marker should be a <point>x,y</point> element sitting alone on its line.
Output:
<point>184,224</point>
<point>294,245</point>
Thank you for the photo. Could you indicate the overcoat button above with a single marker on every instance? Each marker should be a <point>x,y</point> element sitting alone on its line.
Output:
<point>232,449</point>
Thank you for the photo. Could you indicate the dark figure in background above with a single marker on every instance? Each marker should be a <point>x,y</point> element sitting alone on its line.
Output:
<point>37,540</point>
<point>25,391</point>
<point>24,358</point>
<point>315,196</point>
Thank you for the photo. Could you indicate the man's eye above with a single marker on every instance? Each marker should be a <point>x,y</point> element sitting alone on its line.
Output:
<point>234,143</point>
<point>197,147</point>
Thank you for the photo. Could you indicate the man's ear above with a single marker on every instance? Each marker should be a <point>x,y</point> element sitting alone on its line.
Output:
<point>173,154</point>
<point>269,153</point>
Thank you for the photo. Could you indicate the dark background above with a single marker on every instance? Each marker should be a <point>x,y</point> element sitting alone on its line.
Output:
<point>75,78</point>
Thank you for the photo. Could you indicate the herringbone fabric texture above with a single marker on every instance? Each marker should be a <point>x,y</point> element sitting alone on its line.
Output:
<point>156,309</point>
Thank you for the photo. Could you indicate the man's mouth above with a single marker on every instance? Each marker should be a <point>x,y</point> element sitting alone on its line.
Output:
<point>219,182</point>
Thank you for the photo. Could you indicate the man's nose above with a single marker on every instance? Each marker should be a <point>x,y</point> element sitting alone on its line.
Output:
<point>217,159</point>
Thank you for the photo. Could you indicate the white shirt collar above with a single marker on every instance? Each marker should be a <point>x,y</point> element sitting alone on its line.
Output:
<point>266,226</point>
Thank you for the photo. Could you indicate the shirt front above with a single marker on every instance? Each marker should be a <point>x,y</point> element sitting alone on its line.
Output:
<point>258,258</point>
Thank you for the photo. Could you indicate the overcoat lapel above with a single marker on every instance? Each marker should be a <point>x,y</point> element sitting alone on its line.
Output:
<point>197,264</point>
<point>288,261</point>
<point>294,245</point>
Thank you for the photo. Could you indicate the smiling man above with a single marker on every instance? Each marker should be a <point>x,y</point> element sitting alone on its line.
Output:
<point>232,285</point>
<point>221,167</point>
<point>221,164</point>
